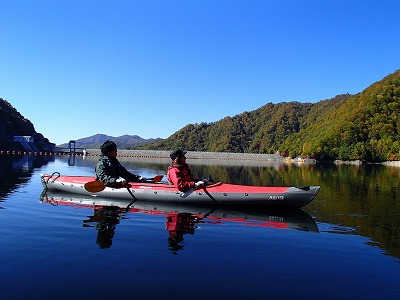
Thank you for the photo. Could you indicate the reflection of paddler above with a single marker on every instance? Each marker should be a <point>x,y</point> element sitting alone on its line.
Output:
<point>104,235</point>
<point>106,219</point>
<point>177,225</point>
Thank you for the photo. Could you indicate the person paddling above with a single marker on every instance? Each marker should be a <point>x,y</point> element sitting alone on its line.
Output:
<point>179,173</point>
<point>110,171</point>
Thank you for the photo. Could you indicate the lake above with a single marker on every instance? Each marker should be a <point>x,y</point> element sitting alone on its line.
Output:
<point>343,245</point>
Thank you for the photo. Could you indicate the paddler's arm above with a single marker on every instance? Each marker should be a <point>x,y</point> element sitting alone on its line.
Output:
<point>128,176</point>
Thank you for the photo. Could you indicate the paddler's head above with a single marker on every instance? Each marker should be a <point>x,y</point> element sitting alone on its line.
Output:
<point>177,155</point>
<point>109,148</point>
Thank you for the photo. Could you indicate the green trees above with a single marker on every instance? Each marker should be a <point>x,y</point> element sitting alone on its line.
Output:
<point>13,123</point>
<point>365,126</point>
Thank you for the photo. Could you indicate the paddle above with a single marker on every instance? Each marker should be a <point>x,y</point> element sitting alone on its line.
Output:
<point>97,186</point>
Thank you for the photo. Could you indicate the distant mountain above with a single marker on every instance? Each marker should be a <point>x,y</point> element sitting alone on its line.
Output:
<point>12,123</point>
<point>364,126</point>
<point>123,141</point>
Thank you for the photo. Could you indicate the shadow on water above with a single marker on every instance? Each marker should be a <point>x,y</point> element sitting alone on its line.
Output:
<point>180,220</point>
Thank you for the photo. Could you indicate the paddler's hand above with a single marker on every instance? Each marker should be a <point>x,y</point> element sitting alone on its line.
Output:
<point>121,181</point>
<point>199,184</point>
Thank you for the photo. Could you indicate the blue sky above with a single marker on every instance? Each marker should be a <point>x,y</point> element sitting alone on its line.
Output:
<point>78,68</point>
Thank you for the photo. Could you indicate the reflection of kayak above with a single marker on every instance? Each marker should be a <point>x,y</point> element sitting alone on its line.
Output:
<point>218,193</point>
<point>265,217</point>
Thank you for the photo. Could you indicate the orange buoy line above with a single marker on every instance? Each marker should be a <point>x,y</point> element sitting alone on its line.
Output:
<point>49,153</point>
<point>40,153</point>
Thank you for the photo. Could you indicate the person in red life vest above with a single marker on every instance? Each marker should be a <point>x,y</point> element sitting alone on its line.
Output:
<point>179,173</point>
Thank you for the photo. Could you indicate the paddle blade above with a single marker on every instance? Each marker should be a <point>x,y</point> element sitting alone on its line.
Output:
<point>158,178</point>
<point>94,186</point>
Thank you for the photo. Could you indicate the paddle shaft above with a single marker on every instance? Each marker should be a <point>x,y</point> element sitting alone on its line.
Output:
<point>98,186</point>
<point>185,194</point>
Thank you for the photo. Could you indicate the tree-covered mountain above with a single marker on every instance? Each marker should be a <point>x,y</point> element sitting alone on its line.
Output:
<point>263,130</point>
<point>123,142</point>
<point>364,126</point>
<point>12,123</point>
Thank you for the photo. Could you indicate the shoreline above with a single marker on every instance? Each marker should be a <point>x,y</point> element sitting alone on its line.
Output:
<point>230,156</point>
<point>198,157</point>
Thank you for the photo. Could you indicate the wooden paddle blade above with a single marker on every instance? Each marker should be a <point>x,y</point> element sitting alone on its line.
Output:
<point>94,186</point>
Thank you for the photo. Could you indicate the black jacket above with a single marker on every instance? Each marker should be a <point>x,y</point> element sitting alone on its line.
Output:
<point>108,170</point>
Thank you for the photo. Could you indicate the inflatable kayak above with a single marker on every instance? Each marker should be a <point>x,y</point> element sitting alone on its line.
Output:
<point>216,193</point>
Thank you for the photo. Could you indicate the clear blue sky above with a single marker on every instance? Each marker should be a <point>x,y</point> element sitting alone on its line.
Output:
<point>78,68</point>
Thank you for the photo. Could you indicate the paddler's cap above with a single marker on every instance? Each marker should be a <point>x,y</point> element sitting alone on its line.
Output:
<point>177,153</point>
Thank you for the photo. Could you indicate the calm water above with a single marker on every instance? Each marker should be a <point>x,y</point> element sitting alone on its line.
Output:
<point>343,245</point>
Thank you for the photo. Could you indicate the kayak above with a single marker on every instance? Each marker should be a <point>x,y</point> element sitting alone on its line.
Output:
<point>215,193</point>
<point>178,214</point>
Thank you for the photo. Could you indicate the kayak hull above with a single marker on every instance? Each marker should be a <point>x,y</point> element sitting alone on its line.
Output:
<point>218,193</point>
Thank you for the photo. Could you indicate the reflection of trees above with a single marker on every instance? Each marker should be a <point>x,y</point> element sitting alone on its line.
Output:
<point>365,198</point>
<point>18,169</point>
<point>275,175</point>
<point>370,192</point>
<point>129,163</point>
<point>106,219</point>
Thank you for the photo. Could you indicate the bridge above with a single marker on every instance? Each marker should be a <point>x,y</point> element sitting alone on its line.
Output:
<point>71,149</point>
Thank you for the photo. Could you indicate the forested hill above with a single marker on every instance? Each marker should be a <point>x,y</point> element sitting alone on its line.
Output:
<point>13,123</point>
<point>364,126</point>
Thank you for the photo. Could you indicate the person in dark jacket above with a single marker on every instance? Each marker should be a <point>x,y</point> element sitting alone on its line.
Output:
<point>179,173</point>
<point>110,171</point>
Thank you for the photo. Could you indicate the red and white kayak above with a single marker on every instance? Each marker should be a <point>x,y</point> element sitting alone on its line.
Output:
<point>216,193</point>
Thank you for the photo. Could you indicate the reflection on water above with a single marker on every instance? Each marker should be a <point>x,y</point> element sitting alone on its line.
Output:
<point>24,163</point>
<point>360,200</point>
<point>16,170</point>
<point>106,219</point>
<point>180,219</point>
<point>179,224</point>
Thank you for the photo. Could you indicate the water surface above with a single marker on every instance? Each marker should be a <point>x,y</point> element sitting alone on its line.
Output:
<point>345,244</point>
